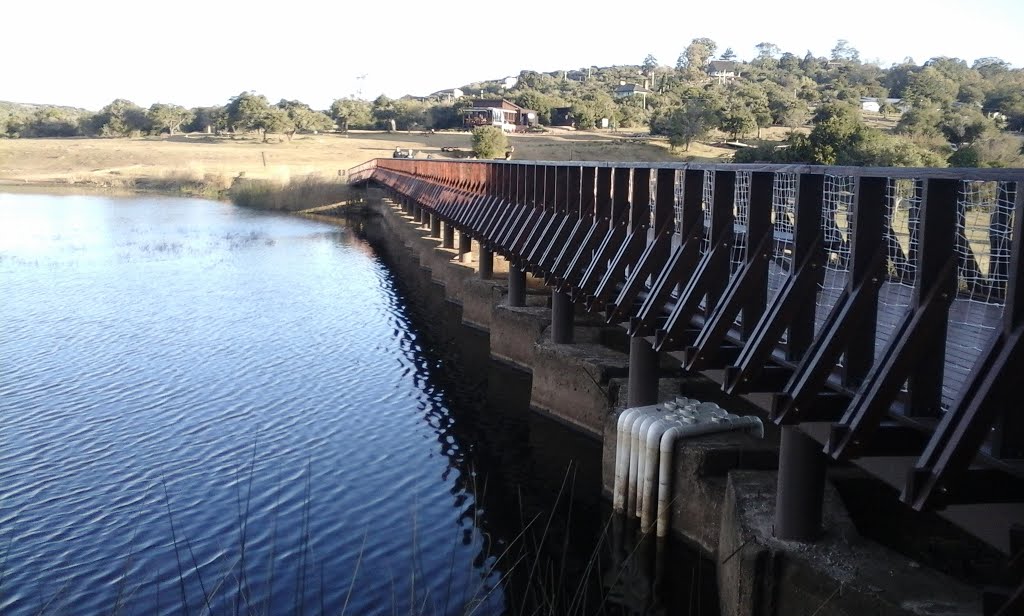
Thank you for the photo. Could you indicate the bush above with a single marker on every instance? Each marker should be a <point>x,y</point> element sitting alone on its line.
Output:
<point>489,142</point>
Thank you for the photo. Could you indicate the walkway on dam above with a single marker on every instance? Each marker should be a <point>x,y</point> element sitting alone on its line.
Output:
<point>880,308</point>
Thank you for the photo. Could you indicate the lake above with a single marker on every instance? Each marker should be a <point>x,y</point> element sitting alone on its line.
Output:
<point>206,409</point>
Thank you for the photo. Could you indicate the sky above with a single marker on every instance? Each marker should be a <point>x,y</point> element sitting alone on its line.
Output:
<point>202,52</point>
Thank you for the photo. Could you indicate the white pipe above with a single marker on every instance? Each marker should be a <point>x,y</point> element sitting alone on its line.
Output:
<point>619,486</point>
<point>645,503</point>
<point>715,423</point>
<point>636,458</point>
<point>623,440</point>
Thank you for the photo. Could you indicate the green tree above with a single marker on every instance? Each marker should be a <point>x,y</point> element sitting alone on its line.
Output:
<point>649,65</point>
<point>247,112</point>
<point>837,128</point>
<point>737,121</point>
<point>964,125</point>
<point>351,113</point>
<point>920,122</point>
<point>728,54</point>
<point>696,56</point>
<point>489,142</point>
<point>929,87</point>
<point>691,120</point>
<point>303,119</point>
<point>844,52</point>
<point>383,112</point>
<point>205,119</point>
<point>766,53</point>
<point>168,117</point>
<point>121,118</point>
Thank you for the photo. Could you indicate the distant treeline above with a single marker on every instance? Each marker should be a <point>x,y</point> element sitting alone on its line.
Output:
<point>944,111</point>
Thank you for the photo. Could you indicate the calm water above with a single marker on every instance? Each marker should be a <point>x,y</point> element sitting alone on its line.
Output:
<point>204,408</point>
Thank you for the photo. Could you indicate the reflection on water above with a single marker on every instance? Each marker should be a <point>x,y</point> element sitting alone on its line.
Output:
<point>204,408</point>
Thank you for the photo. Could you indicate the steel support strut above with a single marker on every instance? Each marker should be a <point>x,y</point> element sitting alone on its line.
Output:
<point>801,487</point>
<point>561,317</point>
<point>643,373</point>
<point>448,240</point>
<point>486,260</point>
<point>516,286</point>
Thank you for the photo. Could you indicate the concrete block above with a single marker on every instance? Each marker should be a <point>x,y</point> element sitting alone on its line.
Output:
<point>841,574</point>
<point>573,382</point>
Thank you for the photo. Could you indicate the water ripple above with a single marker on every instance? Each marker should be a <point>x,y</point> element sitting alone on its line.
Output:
<point>149,348</point>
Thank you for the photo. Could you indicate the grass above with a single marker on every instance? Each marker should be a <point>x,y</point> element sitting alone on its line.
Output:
<point>300,194</point>
<point>161,163</point>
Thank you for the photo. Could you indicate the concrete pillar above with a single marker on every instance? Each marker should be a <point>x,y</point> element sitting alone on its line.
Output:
<point>435,225</point>
<point>801,489</point>
<point>561,317</point>
<point>516,286</point>
<point>643,373</point>
<point>486,259</point>
<point>448,241</point>
<point>465,246</point>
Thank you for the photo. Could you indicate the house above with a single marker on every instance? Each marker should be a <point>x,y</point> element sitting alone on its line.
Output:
<point>448,96</point>
<point>498,112</point>
<point>723,70</point>
<point>630,89</point>
<point>874,105</point>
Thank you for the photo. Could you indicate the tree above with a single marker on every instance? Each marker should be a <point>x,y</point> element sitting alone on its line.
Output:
<point>963,126</point>
<point>649,65</point>
<point>690,120</point>
<point>302,118</point>
<point>767,52</point>
<point>837,128</point>
<point>121,118</point>
<point>246,112</point>
<point>206,119</point>
<point>170,117</point>
<point>737,121</point>
<point>990,66</point>
<point>843,52</point>
<point>351,113</point>
<point>489,142</point>
<point>920,122</point>
<point>274,120</point>
<point>696,55</point>
<point>383,112</point>
<point>728,54</point>
<point>929,87</point>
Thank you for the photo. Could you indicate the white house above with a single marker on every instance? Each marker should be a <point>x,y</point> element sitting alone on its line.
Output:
<point>874,105</point>
<point>450,95</point>
<point>723,70</point>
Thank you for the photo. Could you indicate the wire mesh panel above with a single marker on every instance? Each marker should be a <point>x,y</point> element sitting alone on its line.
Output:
<point>678,204</point>
<point>902,218</point>
<point>984,238</point>
<point>741,220</point>
<point>707,200</point>
<point>783,212</point>
<point>837,235</point>
<point>652,188</point>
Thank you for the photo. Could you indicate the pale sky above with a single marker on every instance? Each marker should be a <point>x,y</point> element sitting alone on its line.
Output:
<point>201,52</point>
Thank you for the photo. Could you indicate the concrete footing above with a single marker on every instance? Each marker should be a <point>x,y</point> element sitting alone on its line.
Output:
<point>725,484</point>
